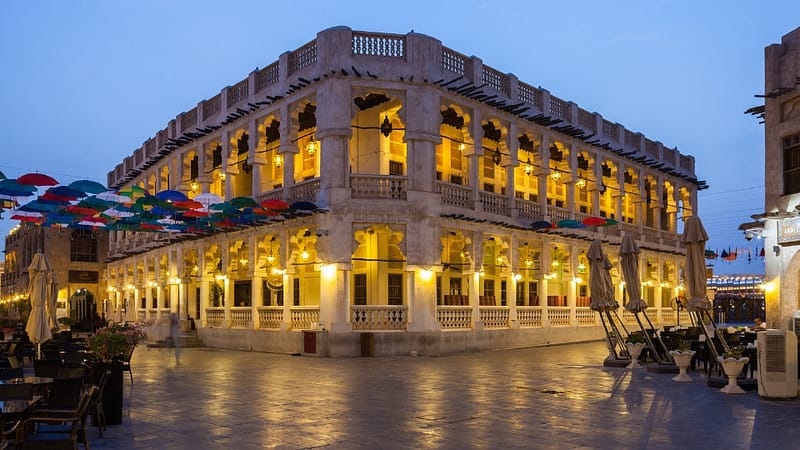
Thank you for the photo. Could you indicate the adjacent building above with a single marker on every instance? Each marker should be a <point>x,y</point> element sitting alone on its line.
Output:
<point>445,205</point>
<point>780,223</point>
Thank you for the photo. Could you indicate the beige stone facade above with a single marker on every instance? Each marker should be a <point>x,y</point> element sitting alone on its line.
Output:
<point>76,256</point>
<point>428,168</point>
<point>782,181</point>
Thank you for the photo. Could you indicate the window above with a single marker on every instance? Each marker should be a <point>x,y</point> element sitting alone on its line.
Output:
<point>395,168</point>
<point>395,289</point>
<point>83,246</point>
<point>242,291</point>
<point>360,289</point>
<point>216,156</point>
<point>791,164</point>
<point>296,299</point>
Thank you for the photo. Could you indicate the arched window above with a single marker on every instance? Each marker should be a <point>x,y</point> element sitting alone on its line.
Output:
<point>83,246</point>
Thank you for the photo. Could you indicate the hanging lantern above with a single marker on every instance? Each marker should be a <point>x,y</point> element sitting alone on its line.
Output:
<point>386,126</point>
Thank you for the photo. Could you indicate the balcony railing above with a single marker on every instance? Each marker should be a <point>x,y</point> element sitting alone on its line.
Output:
<point>529,316</point>
<point>454,317</point>
<point>494,316</point>
<point>378,317</point>
<point>558,316</point>
<point>455,195</point>
<point>304,316</point>
<point>241,317</point>
<point>270,317</point>
<point>215,317</point>
<point>378,186</point>
<point>494,203</point>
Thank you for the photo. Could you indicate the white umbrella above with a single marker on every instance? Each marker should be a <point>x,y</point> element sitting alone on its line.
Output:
<point>694,238</point>
<point>629,262</point>
<point>600,285</point>
<point>38,327</point>
<point>207,198</point>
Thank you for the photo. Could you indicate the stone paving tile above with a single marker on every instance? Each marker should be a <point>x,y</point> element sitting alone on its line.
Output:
<point>545,397</point>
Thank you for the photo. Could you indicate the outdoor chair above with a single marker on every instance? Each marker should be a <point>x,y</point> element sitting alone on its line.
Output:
<point>16,391</point>
<point>48,429</point>
<point>9,373</point>
<point>96,411</point>
<point>126,362</point>
<point>46,367</point>
<point>65,394</point>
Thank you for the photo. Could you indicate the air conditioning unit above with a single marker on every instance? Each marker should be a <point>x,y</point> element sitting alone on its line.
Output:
<point>777,364</point>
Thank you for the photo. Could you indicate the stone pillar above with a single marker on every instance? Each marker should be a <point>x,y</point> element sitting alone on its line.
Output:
<point>544,172</point>
<point>334,104</point>
<point>226,150</point>
<point>573,178</point>
<point>288,298</point>
<point>335,297</point>
<point>421,285</point>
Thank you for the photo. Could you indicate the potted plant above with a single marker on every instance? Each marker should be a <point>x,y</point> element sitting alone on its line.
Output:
<point>634,343</point>
<point>732,363</point>
<point>682,357</point>
<point>109,344</point>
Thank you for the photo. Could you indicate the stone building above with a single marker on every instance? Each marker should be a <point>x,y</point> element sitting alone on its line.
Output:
<point>430,176</point>
<point>76,256</point>
<point>780,223</point>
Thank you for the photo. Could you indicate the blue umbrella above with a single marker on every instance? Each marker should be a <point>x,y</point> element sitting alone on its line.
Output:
<point>541,225</point>
<point>171,195</point>
<point>88,186</point>
<point>14,189</point>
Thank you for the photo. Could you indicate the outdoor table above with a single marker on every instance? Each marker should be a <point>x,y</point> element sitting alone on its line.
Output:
<point>41,385</point>
<point>15,409</point>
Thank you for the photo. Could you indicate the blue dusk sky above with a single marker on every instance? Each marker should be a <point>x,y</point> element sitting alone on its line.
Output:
<point>84,83</point>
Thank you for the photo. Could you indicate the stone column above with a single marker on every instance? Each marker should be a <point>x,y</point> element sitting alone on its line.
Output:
<point>334,105</point>
<point>544,172</point>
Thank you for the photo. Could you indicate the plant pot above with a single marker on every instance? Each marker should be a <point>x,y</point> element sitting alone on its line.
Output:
<point>634,349</point>
<point>732,367</point>
<point>682,360</point>
<point>112,396</point>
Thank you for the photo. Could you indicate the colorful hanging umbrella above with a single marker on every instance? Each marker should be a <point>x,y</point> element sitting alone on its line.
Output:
<point>95,203</point>
<point>171,195</point>
<point>569,223</point>
<point>28,216</point>
<point>243,202</point>
<point>39,206</point>
<point>187,204</point>
<point>112,196</point>
<point>303,206</point>
<point>80,211</point>
<point>541,225</point>
<point>2,175</point>
<point>14,189</point>
<point>275,204</point>
<point>88,186</point>
<point>207,198</point>
<point>594,221</point>
<point>134,192</point>
<point>64,192</point>
<point>37,179</point>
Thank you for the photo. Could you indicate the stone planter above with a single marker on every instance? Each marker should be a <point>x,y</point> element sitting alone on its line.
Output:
<point>682,360</point>
<point>634,350</point>
<point>732,367</point>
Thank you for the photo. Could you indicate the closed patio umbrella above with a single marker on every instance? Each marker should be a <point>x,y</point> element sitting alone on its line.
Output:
<point>600,285</point>
<point>694,238</point>
<point>629,262</point>
<point>38,326</point>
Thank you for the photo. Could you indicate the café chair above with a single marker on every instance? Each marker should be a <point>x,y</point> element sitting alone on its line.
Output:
<point>126,362</point>
<point>46,367</point>
<point>96,406</point>
<point>65,394</point>
<point>48,429</point>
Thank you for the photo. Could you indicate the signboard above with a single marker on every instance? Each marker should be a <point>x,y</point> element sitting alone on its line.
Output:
<point>789,231</point>
<point>83,276</point>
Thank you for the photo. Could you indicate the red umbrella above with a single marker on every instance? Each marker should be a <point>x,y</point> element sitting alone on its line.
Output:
<point>275,204</point>
<point>594,221</point>
<point>37,179</point>
<point>187,204</point>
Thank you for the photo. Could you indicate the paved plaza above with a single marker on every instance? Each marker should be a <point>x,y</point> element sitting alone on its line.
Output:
<point>548,397</point>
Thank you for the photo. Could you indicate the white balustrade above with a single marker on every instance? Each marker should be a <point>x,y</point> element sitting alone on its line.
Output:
<point>494,203</point>
<point>454,317</point>
<point>558,316</point>
<point>304,316</point>
<point>270,317</point>
<point>529,316</point>
<point>585,317</point>
<point>378,186</point>
<point>378,317</point>
<point>455,195</point>
<point>215,317</point>
<point>241,316</point>
<point>494,316</point>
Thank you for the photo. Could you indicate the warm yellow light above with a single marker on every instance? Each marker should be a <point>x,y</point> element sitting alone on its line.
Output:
<point>328,271</point>
<point>195,186</point>
<point>129,287</point>
<point>461,147</point>
<point>528,261</point>
<point>426,274</point>
<point>580,183</point>
<point>621,284</point>
<point>554,264</point>
<point>278,160</point>
<point>768,286</point>
<point>304,255</point>
<point>221,277</point>
<point>556,175</point>
<point>243,261</point>
<point>222,176</point>
<point>517,277</point>
<point>528,169</point>
<point>270,258</point>
<point>312,146</point>
<point>577,280</point>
